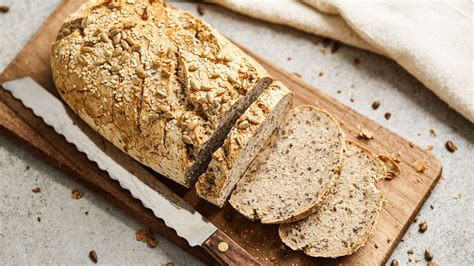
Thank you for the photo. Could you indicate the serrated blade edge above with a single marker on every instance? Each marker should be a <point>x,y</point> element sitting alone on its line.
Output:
<point>154,195</point>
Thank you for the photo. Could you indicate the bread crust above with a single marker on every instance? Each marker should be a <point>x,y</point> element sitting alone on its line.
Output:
<point>158,87</point>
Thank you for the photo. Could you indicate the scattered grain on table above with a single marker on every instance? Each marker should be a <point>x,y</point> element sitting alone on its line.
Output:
<point>394,263</point>
<point>36,190</point>
<point>422,227</point>
<point>450,146</point>
<point>4,8</point>
<point>428,255</point>
<point>387,115</point>
<point>77,194</point>
<point>93,256</point>
<point>375,105</point>
<point>200,10</point>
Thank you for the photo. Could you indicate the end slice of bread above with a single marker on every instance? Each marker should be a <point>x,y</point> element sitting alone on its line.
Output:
<point>291,177</point>
<point>245,140</point>
<point>344,223</point>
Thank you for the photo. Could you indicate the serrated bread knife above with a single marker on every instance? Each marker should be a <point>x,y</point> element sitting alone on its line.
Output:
<point>154,195</point>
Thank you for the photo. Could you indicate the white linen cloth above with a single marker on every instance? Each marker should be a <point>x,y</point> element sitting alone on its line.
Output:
<point>431,40</point>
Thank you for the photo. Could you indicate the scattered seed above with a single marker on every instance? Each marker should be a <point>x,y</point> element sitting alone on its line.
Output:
<point>118,51</point>
<point>376,246</point>
<point>200,10</point>
<point>130,41</point>
<point>232,78</point>
<point>82,60</point>
<point>387,115</point>
<point>195,85</point>
<point>125,57</point>
<point>4,9</point>
<point>428,255</point>
<point>36,190</point>
<point>422,227</point>
<point>169,264</point>
<point>432,133</point>
<point>375,105</point>
<point>152,242</point>
<point>244,69</point>
<point>244,124</point>
<point>450,146</point>
<point>410,251</point>
<point>193,67</point>
<point>228,58</point>
<point>165,73</point>
<point>129,24</point>
<point>99,62</point>
<point>321,74</point>
<point>124,45</point>
<point>338,92</point>
<point>145,14</point>
<point>115,68</point>
<point>389,240</point>
<point>187,140</point>
<point>117,38</point>
<point>136,47</point>
<point>38,219</point>
<point>335,47</point>
<point>394,263</point>
<point>77,194</point>
<point>140,72</point>
<point>288,58</point>
<point>206,87</point>
<point>114,32</point>
<point>93,256</point>
<point>86,49</point>
<point>253,120</point>
<point>104,37</point>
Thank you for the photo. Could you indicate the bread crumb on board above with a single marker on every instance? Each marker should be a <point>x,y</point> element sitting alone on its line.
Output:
<point>419,166</point>
<point>364,133</point>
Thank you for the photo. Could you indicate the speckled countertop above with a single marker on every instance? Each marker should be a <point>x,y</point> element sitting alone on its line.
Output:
<point>66,234</point>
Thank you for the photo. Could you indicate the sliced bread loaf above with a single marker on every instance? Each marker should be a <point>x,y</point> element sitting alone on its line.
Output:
<point>290,178</point>
<point>245,140</point>
<point>157,82</point>
<point>346,220</point>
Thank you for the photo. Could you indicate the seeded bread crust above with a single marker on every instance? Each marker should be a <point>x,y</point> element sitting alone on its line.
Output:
<point>344,223</point>
<point>243,143</point>
<point>158,83</point>
<point>291,177</point>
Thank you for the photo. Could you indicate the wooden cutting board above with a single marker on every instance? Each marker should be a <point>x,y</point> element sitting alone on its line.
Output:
<point>405,194</point>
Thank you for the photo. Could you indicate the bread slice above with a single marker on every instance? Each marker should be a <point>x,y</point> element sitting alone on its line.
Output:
<point>244,142</point>
<point>290,178</point>
<point>345,221</point>
<point>157,82</point>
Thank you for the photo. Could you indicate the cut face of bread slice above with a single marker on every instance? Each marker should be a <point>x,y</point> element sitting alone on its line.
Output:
<point>344,223</point>
<point>244,142</point>
<point>290,178</point>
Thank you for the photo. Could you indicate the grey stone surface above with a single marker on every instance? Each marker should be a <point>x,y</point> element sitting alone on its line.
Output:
<point>66,234</point>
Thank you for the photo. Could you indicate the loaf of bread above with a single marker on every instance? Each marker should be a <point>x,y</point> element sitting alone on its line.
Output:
<point>291,177</point>
<point>346,220</point>
<point>158,83</point>
<point>243,143</point>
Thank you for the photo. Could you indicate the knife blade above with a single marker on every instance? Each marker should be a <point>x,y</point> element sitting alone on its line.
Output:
<point>154,195</point>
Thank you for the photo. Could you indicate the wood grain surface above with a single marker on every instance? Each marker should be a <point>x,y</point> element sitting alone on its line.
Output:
<point>405,194</point>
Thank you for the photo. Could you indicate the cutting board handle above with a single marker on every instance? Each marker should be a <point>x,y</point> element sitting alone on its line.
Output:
<point>226,251</point>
